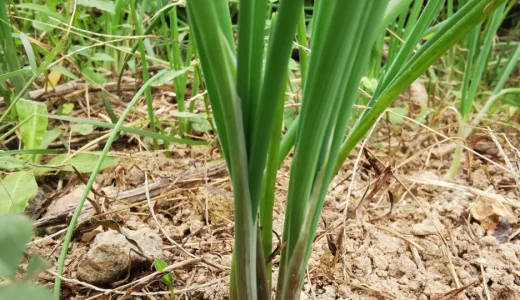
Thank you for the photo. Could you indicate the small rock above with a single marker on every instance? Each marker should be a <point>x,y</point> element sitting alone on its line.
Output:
<point>403,265</point>
<point>108,256</point>
<point>388,244</point>
<point>226,260</point>
<point>330,291</point>
<point>463,274</point>
<point>404,280</point>
<point>489,240</point>
<point>434,287</point>
<point>364,264</point>
<point>424,228</point>
<point>378,258</point>
<point>202,279</point>
<point>133,222</point>
<point>195,225</point>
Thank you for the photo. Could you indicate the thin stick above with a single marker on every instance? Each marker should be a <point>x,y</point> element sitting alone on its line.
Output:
<point>152,276</point>
<point>503,153</point>
<point>467,189</point>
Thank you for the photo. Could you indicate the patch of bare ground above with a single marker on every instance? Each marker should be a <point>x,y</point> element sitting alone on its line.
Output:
<point>424,244</point>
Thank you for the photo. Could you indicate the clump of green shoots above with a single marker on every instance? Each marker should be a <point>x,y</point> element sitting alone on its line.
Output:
<point>470,87</point>
<point>246,82</point>
<point>246,99</point>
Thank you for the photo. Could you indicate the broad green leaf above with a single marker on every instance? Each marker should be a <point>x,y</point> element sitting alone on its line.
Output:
<point>92,76</point>
<point>161,265</point>
<point>82,50</point>
<point>423,114</point>
<point>31,151</point>
<point>131,65</point>
<point>369,83</point>
<point>511,99</point>
<point>16,232</point>
<point>24,290</point>
<point>10,163</point>
<point>168,77</point>
<point>43,23</point>
<point>65,109</point>
<point>50,136</point>
<point>65,72</point>
<point>17,188</point>
<point>293,65</point>
<point>33,131</point>
<point>128,129</point>
<point>83,129</point>
<point>396,117</point>
<point>200,124</point>
<point>36,265</point>
<point>83,162</point>
<point>104,5</point>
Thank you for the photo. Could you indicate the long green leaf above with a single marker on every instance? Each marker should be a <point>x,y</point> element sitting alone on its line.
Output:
<point>10,75</point>
<point>344,30</point>
<point>99,164</point>
<point>430,12</point>
<point>511,65</point>
<point>481,62</point>
<point>140,132</point>
<point>144,66</point>
<point>217,62</point>
<point>454,29</point>
<point>251,26</point>
<point>10,52</point>
<point>276,70</point>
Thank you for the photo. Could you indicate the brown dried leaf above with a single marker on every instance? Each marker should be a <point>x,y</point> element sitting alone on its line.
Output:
<point>491,213</point>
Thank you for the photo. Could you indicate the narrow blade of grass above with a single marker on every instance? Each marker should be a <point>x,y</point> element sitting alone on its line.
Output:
<point>97,168</point>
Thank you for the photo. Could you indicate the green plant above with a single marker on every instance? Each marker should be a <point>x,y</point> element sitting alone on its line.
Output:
<point>246,83</point>
<point>498,92</point>
<point>31,118</point>
<point>245,99</point>
<point>469,90</point>
<point>97,167</point>
<point>17,232</point>
<point>167,278</point>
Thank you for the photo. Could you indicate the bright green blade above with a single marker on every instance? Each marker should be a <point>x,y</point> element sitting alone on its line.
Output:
<point>217,62</point>
<point>276,70</point>
<point>453,30</point>
<point>344,30</point>
<point>251,27</point>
